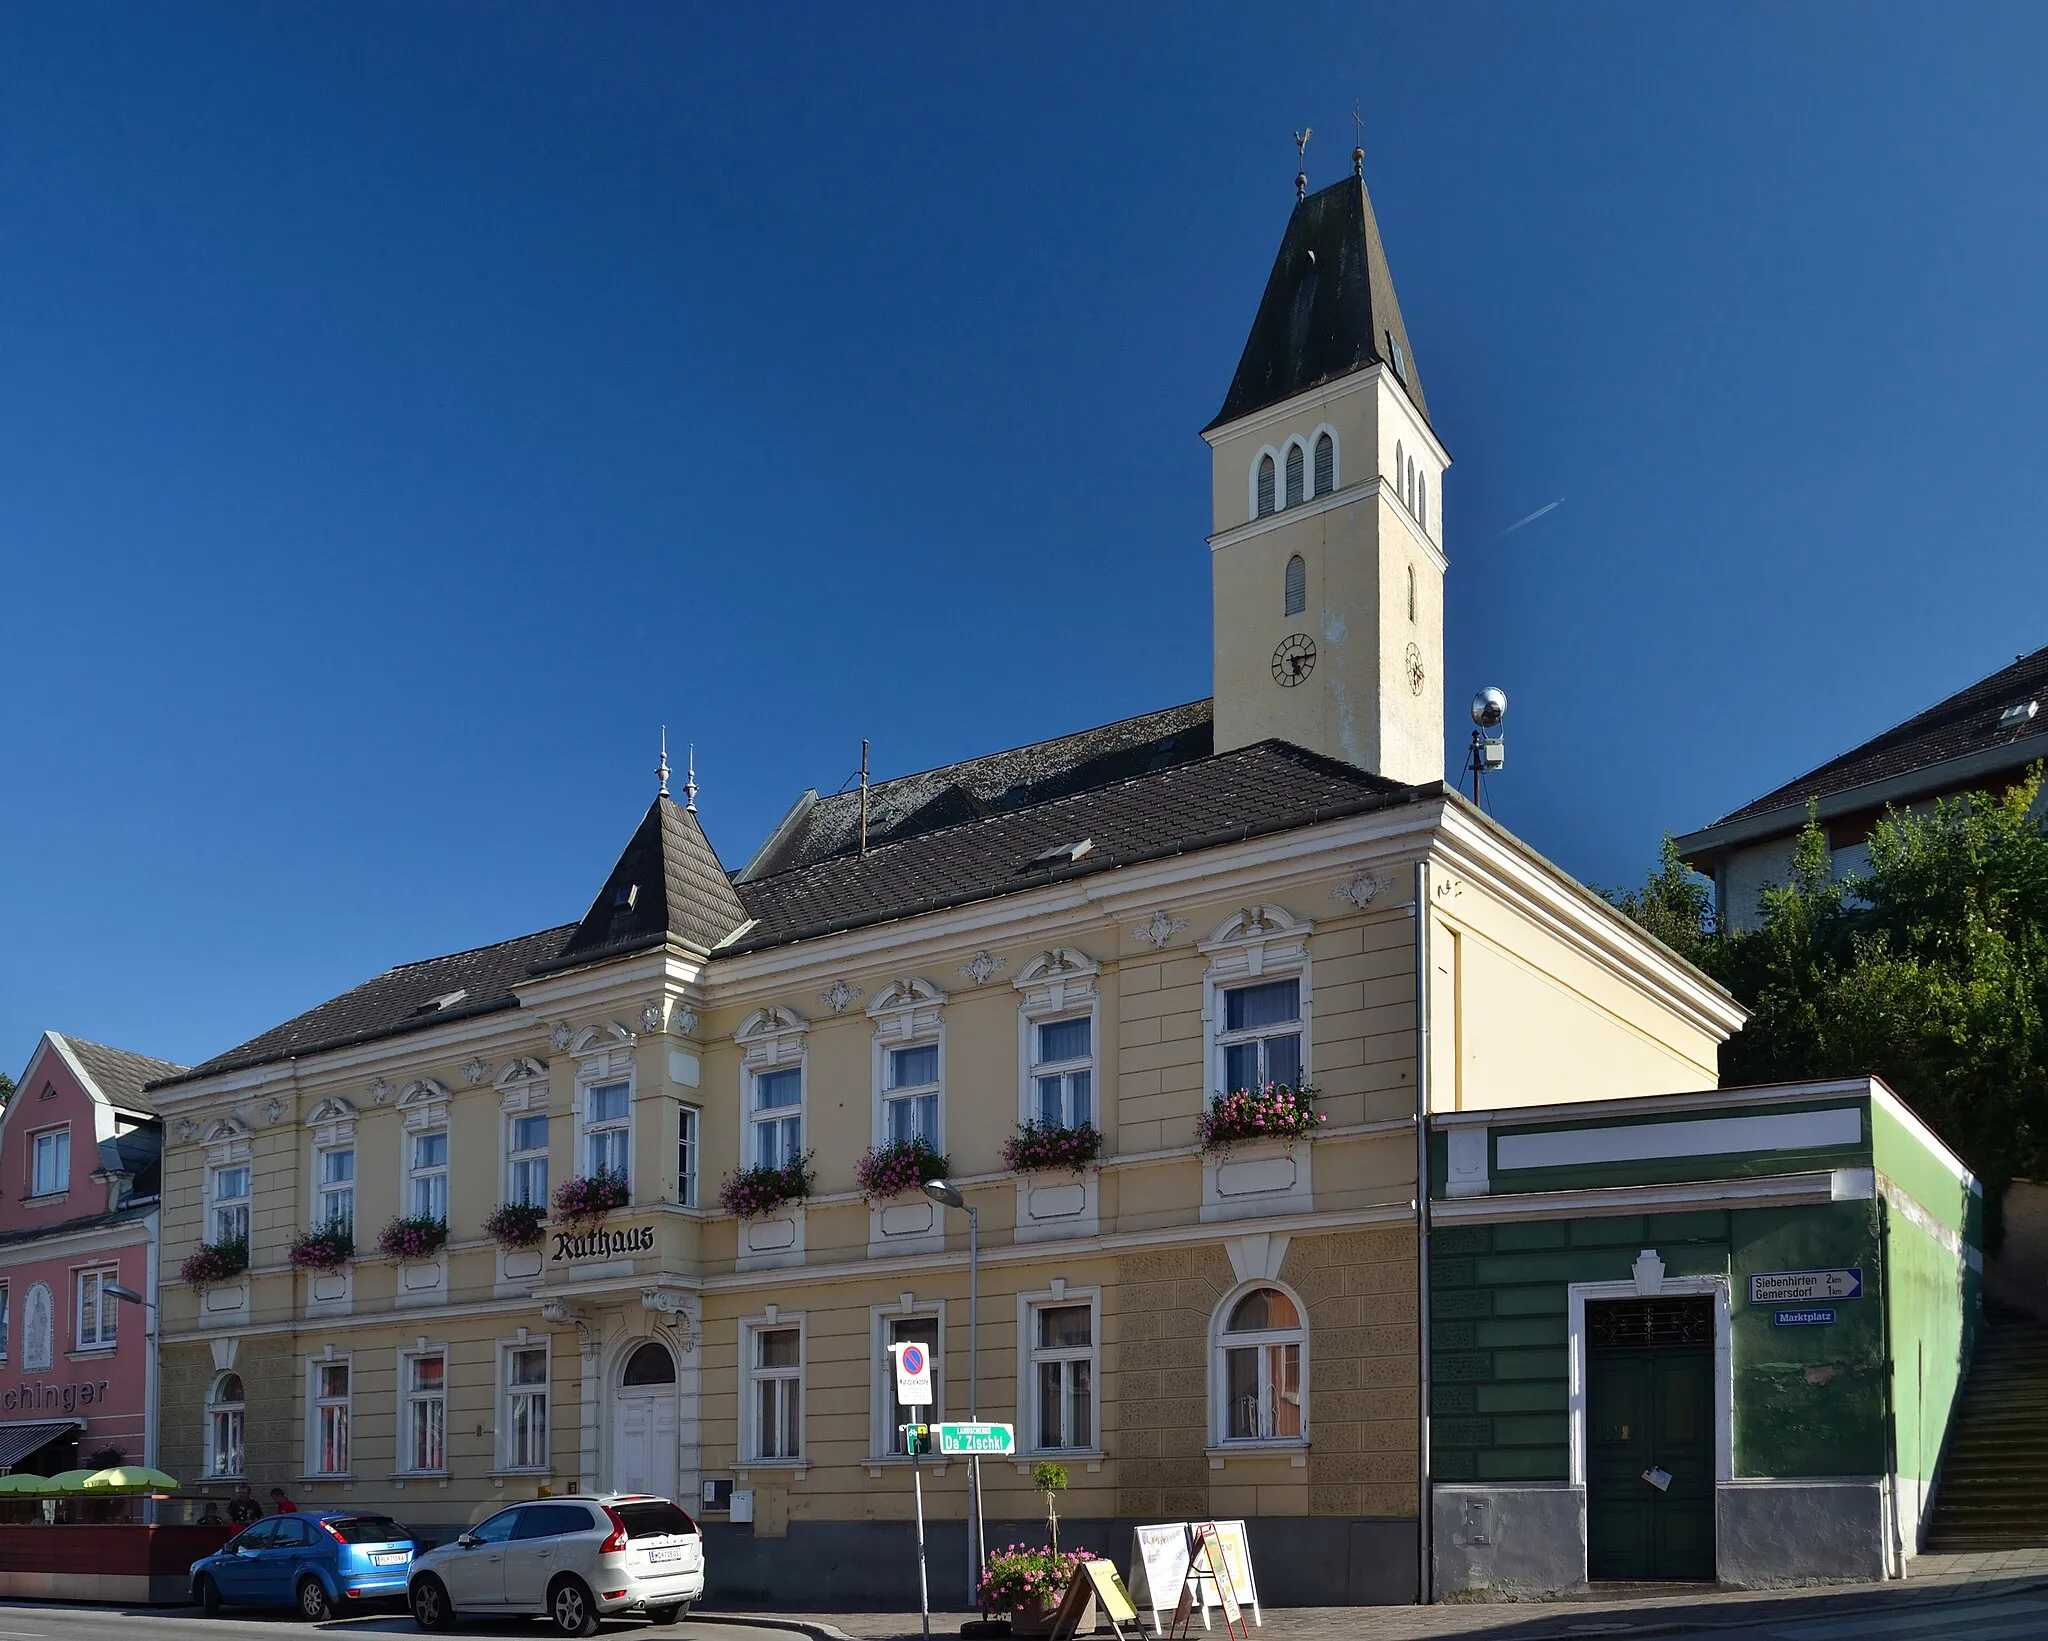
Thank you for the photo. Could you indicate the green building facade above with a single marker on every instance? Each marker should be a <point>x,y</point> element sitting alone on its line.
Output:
<point>1700,1337</point>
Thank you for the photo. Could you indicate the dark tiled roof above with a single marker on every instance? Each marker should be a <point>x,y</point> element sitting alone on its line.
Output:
<point>1270,787</point>
<point>668,885</point>
<point>911,805</point>
<point>1965,723</point>
<point>1329,307</point>
<point>406,998</point>
<point>138,1153</point>
<point>120,1075</point>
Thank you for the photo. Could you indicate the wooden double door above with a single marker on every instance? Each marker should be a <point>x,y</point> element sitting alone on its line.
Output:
<point>1650,1439</point>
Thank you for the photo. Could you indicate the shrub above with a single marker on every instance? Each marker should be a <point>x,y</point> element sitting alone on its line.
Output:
<point>517,1224</point>
<point>1275,1112</point>
<point>418,1238</point>
<point>326,1249</point>
<point>899,1167</point>
<point>1026,1576</point>
<point>1045,1147</point>
<point>108,1457</point>
<point>591,1196</point>
<point>213,1262</point>
<point>752,1192</point>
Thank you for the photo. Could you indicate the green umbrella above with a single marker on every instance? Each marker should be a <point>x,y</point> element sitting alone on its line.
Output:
<point>129,1478</point>
<point>66,1481</point>
<point>21,1483</point>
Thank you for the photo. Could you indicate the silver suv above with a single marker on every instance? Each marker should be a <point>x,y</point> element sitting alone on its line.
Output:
<point>576,1559</point>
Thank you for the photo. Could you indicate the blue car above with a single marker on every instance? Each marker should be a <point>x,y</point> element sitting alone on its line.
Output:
<point>319,1561</point>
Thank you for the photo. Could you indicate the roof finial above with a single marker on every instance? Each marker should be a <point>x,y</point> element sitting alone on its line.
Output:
<point>690,782</point>
<point>1301,138</point>
<point>1358,153</point>
<point>661,769</point>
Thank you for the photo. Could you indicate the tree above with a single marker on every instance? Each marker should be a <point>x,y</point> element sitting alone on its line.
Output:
<point>1930,970</point>
<point>6,1089</point>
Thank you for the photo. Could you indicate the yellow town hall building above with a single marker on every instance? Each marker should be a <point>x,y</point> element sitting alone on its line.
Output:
<point>1106,930</point>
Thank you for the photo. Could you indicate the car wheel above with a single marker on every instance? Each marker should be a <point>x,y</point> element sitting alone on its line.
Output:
<point>665,1613</point>
<point>431,1609</point>
<point>209,1598</point>
<point>313,1603</point>
<point>573,1608</point>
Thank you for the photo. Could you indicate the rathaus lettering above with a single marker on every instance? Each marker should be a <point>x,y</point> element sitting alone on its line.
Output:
<point>603,1244</point>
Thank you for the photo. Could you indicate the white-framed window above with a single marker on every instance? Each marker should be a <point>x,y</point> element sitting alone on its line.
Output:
<point>229,1189</point>
<point>1061,1393</point>
<point>686,1155</point>
<point>1294,594</point>
<point>1260,1368</point>
<point>526,1407</point>
<point>332,1384</point>
<point>1261,1034</point>
<point>426,1174</point>
<point>894,1327</point>
<point>1264,503</point>
<point>226,1407</point>
<point>608,1129</point>
<point>526,1159</point>
<point>334,1206</point>
<point>96,1308</point>
<point>50,1162</point>
<point>4,1319</point>
<point>778,1116</point>
<point>1063,1071</point>
<point>910,1093</point>
<point>1326,463</point>
<point>423,1383</point>
<point>774,1414</point>
<point>1296,475</point>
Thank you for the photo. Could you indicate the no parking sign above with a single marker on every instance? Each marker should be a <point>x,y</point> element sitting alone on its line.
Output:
<point>913,1374</point>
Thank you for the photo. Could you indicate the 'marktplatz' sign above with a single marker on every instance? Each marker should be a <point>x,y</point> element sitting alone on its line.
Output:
<point>602,1243</point>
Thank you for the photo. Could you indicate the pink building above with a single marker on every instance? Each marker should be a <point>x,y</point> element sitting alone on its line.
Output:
<point>80,1151</point>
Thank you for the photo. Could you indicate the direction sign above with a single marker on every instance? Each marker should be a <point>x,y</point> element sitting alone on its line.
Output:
<point>976,1438</point>
<point>1802,1287</point>
<point>913,1374</point>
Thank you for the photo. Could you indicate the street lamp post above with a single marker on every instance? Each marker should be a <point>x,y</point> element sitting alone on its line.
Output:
<point>114,1290</point>
<point>948,1195</point>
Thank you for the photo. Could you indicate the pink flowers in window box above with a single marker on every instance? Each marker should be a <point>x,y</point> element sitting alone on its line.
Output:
<point>327,1249</point>
<point>752,1192</point>
<point>418,1238</point>
<point>1047,1147</point>
<point>897,1169</point>
<point>591,1197</point>
<point>213,1262</point>
<point>1274,1112</point>
<point>517,1224</point>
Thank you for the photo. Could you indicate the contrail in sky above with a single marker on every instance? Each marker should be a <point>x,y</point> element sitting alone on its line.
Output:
<point>1531,519</point>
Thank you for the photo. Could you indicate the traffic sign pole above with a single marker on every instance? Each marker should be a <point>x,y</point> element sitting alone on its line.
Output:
<point>924,1595</point>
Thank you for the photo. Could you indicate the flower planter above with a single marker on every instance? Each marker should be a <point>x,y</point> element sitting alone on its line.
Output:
<point>1037,1620</point>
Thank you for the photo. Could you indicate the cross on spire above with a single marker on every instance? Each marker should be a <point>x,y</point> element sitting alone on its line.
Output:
<point>1301,138</point>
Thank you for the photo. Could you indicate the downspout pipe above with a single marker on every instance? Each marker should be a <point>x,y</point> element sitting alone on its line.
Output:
<point>1424,1572</point>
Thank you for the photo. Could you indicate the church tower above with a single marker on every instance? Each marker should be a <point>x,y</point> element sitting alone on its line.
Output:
<point>1327,555</point>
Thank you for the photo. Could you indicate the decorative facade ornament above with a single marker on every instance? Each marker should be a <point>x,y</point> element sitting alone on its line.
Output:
<point>380,1091</point>
<point>1361,891</point>
<point>329,1112</point>
<point>839,996</point>
<point>276,1109</point>
<point>1649,1273</point>
<point>477,1071</point>
<point>560,1036</point>
<point>650,1017</point>
<point>674,1309</point>
<point>683,1022</point>
<point>185,1131</point>
<point>1160,930</point>
<point>553,1310</point>
<point>982,967</point>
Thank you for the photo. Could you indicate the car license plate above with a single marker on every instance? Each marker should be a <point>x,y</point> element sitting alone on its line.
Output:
<point>664,1555</point>
<point>396,1559</point>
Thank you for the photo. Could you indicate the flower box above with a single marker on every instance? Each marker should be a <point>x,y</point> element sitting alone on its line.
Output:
<point>897,1168</point>
<point>327,1249</point>
<point>411,1239</point>
<point>517,1225</point>
<point>1045,1147</point>
<point>213,1262</point>
<point>750,1193</point>
<point>1027,1582</point>
<point>1274,1112</point>
<point>588,1198</point>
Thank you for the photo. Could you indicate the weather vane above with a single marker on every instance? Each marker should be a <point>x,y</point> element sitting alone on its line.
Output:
<point>1301,138</point>
<point>1358,153</point>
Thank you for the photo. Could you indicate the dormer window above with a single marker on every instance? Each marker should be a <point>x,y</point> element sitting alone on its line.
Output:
<point>1295,598</point>
<point>1326,465</point>
<point>1265,501</point>
<point>50,1169</point>
<point>1295,491</point>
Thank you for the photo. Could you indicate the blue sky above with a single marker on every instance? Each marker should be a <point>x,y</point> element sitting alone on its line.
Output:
<point>405,410</point>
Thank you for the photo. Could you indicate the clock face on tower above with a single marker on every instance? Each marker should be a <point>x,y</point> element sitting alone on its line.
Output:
<point>1415,672</point>
<point>1294,660</point>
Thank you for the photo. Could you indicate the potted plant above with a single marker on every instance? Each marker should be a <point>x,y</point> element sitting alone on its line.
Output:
<point>326,1249</point>
<point>1274,1112</point>
<point>1048,1147</point>
<point>588,1198</point>
<point>897,1168</point>
<point>515,1225</point>
<point>109,1457</point>
<point>1027,1582</point>
<point>213,1262</point>
<point>420,1237</point>
<point>1050,1479</point>
<point>751,1192</point>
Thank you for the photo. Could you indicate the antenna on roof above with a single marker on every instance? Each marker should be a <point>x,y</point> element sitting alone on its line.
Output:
<point>661,769</point>
<point>863,795</point>
<point>1301,138</point>
<point>690,782</point>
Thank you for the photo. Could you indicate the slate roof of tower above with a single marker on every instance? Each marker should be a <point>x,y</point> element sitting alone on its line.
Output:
<point>121,1075</point>
<point>667,885</point>
<point>1329,307</point>
<point>1963,724</point>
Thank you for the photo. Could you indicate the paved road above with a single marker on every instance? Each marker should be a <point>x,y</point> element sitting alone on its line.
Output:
<point>38,1621</point>
<point>1992,1618</point>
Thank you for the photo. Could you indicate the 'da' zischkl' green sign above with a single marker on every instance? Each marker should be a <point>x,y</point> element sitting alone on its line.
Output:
<point>976,1438</point>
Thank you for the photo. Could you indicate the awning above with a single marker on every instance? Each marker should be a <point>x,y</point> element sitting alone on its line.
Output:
<point>18,1441</point>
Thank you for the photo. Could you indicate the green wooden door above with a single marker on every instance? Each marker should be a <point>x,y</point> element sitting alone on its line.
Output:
<point>1650,1415</point>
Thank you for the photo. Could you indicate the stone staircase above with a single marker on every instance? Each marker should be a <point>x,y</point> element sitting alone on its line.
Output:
<point>1993,1492</point>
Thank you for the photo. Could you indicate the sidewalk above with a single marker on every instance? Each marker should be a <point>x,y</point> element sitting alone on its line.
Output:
<point>1646,1610</point>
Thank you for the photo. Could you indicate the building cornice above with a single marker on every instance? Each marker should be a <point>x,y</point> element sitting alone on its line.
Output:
<point>1357,381</point>
<point>1659,1105</point>
<point>1350,496</point>
<point>1608,1202</point>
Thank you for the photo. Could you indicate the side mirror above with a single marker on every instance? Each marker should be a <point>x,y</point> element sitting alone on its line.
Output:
<point>469,1541</point>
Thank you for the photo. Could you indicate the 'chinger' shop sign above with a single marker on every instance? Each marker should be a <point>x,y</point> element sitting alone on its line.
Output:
<point>603,1243</point>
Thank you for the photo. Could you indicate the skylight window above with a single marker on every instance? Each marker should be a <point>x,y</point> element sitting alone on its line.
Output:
<point>2014,716</point>
<point>447,1000</point>
<point>1062,855</point>
<point>627,897</point>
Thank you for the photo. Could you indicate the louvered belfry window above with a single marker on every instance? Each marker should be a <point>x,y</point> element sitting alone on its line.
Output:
<point>1297,586</point>
<point>1326,465</point>
<point>1294,474</point>
<point>1265,485</point>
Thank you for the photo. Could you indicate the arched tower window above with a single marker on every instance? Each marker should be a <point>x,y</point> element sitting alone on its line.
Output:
<point>1326,465</point>
<point>1422,501</point>
<point>1400,462</point>
<point>1297,586</point>
<point>1265,485</point>
<point>1411,484</point>
<point>1411,592</point>
<point>1294,474</point>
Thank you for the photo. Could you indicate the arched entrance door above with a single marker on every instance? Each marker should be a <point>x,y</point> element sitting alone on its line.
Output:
<point>645,1433</point>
